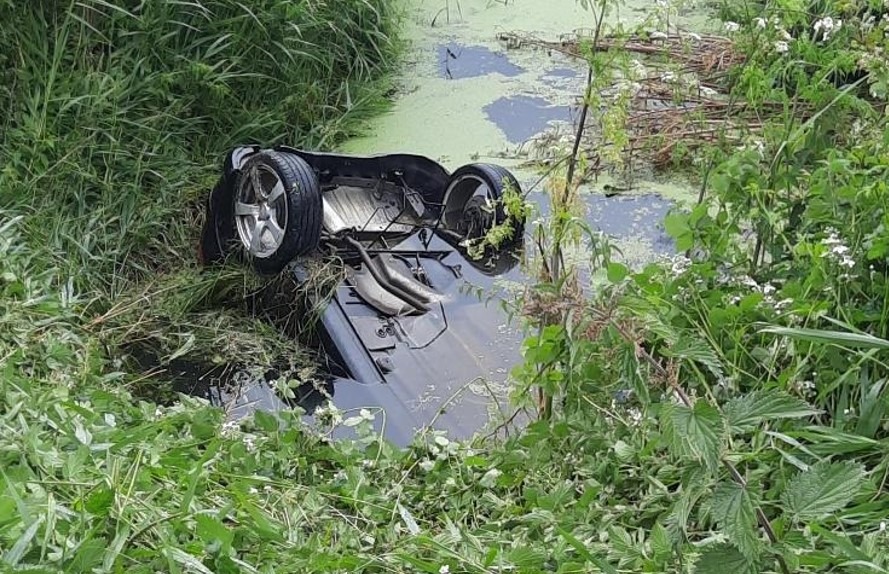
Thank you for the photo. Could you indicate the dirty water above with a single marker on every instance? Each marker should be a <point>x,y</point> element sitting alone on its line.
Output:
<point>465,98</point>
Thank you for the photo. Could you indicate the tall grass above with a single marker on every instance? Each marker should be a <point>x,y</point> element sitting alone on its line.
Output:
<point>117,113</point>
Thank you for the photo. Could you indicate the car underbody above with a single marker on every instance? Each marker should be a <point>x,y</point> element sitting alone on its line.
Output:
<point>405,331</point>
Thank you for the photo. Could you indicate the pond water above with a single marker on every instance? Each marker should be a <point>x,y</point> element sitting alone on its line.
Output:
<point>465,98</point>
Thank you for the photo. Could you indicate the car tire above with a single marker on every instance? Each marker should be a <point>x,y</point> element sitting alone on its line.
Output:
<point>270,227</point>
<point>462,197</point>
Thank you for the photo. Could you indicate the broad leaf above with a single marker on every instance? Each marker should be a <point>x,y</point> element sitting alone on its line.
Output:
<point>696,431</point>
<point>757,407</point>
<point>692,348</point>
<point>721,559</point>
<point>823,489</point>
<point>733,511</point>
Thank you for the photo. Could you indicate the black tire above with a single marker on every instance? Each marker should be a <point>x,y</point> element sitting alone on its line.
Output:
<point>459,196</point>
<point>303,216</point>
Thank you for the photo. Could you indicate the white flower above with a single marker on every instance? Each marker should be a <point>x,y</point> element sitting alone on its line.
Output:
<point>783,303</point>
<point>427,465</point>
<point>635,416</point>
<point>366,415</point>
<point>732,26</point>
<point>679,265</point>
<point>445,569</point>
<point>442,441</point>
<point>749,281</point>
<point>110,420</point>
<point>490,478</point>
<point>782,47</point>
<point>882,526</point>
<point>760,22</point>
<point>785,35</point>
<point>826,26</point>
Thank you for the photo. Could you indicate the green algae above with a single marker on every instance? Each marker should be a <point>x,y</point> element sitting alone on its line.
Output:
<point>445,118</point>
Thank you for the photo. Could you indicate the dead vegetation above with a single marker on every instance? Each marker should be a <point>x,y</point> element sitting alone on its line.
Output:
<point>676,98</point>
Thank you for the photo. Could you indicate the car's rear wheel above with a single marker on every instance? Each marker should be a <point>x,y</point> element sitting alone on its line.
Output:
<point>473,201</point>
<point>273,211</point>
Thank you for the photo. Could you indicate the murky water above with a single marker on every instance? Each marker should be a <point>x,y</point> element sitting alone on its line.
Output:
<point>466,98</point>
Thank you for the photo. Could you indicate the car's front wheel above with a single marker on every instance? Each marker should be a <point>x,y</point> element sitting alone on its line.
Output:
<point>271,212</point>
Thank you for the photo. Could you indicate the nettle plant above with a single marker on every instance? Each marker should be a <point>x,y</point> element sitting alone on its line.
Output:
<point>739,389</point>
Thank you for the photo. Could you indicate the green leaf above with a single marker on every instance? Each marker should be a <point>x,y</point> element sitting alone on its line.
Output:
<point>733,511</point>
<point>212,531</point>
<point>696,431</point>
<point>823,489</point>
<point>721,559</point>
<point>14,554</point>
<point>757,407</point>
<point>100,501</point>
<point>582,550</point>
<point>189,562</point>
<point>660,541</point>
<point>617,272</point>
<point>839,338</point>
<point>675,224</point>
<point>693,348</point>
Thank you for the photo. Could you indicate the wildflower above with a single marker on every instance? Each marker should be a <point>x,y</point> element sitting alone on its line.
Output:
<point>427,465</point>
<point>826,26</point>
<point>112,422</point>
<point>838,251</point>
<point>749,281</point>
<point>679,265</point>
<point>784,35</point>
<point>760,22</point>
<point>366,415</point>
<point>445,569</point>
<point>442,441</point>
<point>635,416</point>
<point>782,47</point>
<point>732,26</point>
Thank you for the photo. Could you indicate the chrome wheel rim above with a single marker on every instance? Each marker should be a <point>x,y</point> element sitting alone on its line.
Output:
<point>261,211</point>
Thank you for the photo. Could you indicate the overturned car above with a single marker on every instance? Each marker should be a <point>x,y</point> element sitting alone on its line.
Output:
<point>400,332</point>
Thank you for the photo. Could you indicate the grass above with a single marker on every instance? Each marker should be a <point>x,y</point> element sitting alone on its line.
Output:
<point>119,115</point>
<point>722,412</point>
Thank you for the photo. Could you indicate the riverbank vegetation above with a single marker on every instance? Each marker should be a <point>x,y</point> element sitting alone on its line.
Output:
<point>724,411</point>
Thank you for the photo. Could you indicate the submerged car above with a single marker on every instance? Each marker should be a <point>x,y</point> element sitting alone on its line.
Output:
<point>400,331</point>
